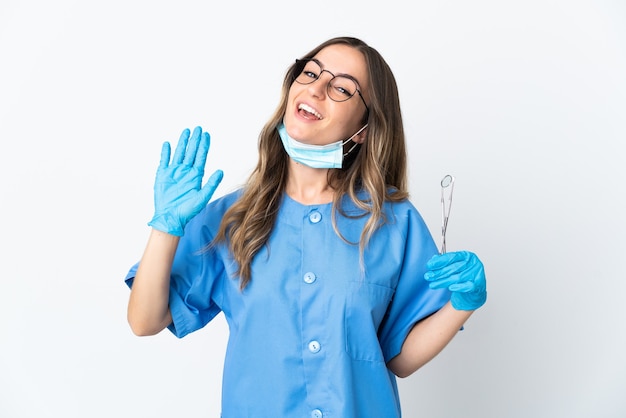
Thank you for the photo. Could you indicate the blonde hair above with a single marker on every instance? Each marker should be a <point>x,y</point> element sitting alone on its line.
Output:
<point>377,167</point>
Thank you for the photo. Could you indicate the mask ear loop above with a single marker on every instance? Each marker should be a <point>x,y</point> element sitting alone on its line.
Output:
<point>350,139</point>
<point>447,184</point>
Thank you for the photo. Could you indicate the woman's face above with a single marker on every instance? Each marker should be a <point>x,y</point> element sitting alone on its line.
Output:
<point>312,117</point>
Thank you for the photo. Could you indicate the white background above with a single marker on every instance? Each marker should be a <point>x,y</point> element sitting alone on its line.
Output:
<point>523,101</point>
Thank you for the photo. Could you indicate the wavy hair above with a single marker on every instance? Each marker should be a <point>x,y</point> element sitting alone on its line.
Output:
<point>376,167</point>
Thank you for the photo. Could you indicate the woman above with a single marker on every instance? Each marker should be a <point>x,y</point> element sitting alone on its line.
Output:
<point>327,275</point>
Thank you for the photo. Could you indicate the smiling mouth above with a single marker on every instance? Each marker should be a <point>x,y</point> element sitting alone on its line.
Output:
<point>309,111</point>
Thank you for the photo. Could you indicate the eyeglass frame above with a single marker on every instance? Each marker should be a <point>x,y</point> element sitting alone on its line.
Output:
<point>306,60</point>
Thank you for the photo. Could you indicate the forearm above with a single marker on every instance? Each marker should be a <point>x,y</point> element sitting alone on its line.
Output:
<point>427,338</point>
<point>148,310</point>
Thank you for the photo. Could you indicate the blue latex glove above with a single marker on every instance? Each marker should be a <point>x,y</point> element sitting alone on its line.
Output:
<point>463,274</point>
<point>178,191</point>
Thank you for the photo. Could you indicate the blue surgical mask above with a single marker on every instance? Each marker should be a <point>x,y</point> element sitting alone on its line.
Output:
<point>316,156</point>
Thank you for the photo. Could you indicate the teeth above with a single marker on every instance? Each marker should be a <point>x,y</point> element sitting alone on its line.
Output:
<point>310,110</point>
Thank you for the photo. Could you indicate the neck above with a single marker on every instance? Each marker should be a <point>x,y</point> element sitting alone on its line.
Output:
<point>307,185</point>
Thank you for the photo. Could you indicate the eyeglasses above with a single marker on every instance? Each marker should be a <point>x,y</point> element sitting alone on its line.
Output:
<point>339,88</point>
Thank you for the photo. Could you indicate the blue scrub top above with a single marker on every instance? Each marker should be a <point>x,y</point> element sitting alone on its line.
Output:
<point>311,333</point>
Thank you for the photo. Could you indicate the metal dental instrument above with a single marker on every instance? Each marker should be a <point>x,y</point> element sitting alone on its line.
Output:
<point>447,184</point>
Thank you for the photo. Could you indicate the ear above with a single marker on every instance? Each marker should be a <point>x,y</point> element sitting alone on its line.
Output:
<point>359,137</point>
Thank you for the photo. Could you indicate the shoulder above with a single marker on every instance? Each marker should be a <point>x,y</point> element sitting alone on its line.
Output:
<point>405,216</point>
<point>404,205</point>
<point>405,219</point>
<point>404,209</point>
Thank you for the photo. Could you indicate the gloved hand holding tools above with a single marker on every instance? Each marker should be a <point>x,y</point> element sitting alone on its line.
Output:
<point>463,274</point>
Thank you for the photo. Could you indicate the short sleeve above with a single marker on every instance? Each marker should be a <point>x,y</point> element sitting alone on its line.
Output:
<point>413,300</point>
<point>197,274</point>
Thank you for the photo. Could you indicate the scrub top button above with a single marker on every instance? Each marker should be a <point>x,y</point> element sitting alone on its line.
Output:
<point>314,347</point>
<point>309,277</point>
<point>316,413</point>
<point>315,217</point>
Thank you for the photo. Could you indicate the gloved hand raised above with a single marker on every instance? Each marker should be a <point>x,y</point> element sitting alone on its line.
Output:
<point>178,191</point>
<point>463,274</point>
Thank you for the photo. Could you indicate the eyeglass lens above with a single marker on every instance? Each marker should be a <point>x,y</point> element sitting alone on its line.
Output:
<point>339,88</point>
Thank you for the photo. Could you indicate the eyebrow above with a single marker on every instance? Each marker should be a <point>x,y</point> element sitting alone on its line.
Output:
<point>337,75</point>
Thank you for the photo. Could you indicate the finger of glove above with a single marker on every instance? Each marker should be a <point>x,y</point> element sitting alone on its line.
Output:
<point>462,287</point>
<point>438,284</point>
<point>441,260</point>
<point>447,270</point>
<point>209,188</point>
<point>192,146</point>
<point>203,150</point>
<point>165,155</point>
<point>453,274</point>
<point>473,282</point>
<point>181,147</point>
<point>443,283</point>
<point>464,268</point>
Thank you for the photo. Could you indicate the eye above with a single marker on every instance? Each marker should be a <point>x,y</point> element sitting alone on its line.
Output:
<point>341,90</point>
<point>343,87</point>
<point>310,74</point>
<point>311,70</point>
